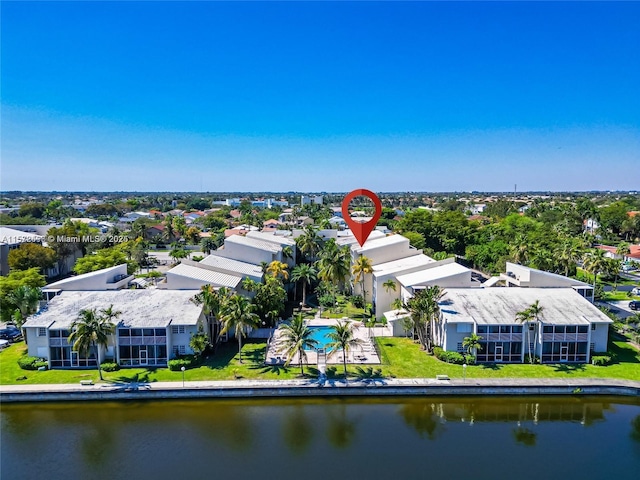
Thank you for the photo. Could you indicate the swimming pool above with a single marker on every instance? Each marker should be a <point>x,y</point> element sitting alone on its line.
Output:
<point>320,335</point>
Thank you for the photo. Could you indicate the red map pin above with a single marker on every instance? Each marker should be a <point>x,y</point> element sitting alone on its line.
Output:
<point>361,230</point>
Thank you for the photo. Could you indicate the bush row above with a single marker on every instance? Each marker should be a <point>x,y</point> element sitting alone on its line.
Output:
<point>109,366</point>
<point>187,362</point>
<point>32,363</point>
<point>449,357</point>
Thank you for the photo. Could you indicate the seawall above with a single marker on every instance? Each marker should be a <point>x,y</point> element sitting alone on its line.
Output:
<point>312,388</point>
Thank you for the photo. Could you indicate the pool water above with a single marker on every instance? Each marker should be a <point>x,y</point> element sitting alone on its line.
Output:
<point>321,335</point>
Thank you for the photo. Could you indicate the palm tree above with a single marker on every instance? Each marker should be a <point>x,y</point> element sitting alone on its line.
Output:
<point>212,302</point>
<point>472,343</point>
<point>343,338</point>
<point>296,338</point>
<point>360,269</point>
<point>304,273</point>
<point>237,314</point>
<point>526,317</point>
<point>334,262</point>
<point>309,242</point>
<point>425,311</point>
<point>567,254</point>
<point>390,285</point>
<point>623,250</point>
<point>25,299</point>
<point>594,263</point>
<point>91,329</point>
<point>278,269</point>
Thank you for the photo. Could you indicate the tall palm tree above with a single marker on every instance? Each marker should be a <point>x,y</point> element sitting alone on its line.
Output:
<point>594,263</point>
<point>343,338</point>
<point>304,273</point>
<point>278,269</point>
<point>92,329</point>
<point>526,317</point>
<point>212,302</point>
<point>296,338</point>
<point>360,269</point>
<point>567,254</point>
<point>334,263</point>
<point>425,312</point>
<point>237,315</point>
<point>623,250</point>
<point>309,242</point>
<point>25,299</point>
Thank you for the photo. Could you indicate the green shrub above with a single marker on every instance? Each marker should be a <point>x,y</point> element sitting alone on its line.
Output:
<point>449,357</point>
<point>357,301</point>
<point>32,363</point>
<point>470,359</point>
<point>601,360</point>
<point>187,361</point>
<point>109,366</point>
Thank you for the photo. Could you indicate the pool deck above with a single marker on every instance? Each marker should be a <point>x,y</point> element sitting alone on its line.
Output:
<point>366,354</point>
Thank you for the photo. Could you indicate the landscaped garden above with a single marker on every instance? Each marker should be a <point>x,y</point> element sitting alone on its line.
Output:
<point>401,358</point>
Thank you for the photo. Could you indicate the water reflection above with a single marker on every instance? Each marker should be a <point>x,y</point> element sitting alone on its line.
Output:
<point>278,438</point>
<point>297,430</point>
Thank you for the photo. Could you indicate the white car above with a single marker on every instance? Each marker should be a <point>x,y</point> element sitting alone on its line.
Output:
<point>635,291</point>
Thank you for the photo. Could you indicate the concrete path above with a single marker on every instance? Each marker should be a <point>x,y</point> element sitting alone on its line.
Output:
<point>312,387</point>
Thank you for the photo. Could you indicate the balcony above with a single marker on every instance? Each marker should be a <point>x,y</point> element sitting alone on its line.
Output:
<point>119,281</point>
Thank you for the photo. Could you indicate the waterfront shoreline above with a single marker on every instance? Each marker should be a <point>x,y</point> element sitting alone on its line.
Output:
<point>313,388</point>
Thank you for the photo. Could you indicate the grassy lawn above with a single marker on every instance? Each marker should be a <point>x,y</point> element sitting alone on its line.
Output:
<point>401,359</point>
<point>618,296</point>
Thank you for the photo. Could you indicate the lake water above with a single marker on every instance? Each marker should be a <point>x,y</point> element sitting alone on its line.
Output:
<point>356,439</point>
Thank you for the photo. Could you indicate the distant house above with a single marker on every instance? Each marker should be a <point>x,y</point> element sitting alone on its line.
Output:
<point>155,232</point>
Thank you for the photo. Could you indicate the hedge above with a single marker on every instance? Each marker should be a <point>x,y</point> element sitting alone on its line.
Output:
<point>32,363</point>
<point>109,366</point>
<point>449,357</point>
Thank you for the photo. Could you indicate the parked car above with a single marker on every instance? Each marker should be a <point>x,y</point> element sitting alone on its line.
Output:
<point>635,291</point>
<point>634,304</point>
<point>10,333</point>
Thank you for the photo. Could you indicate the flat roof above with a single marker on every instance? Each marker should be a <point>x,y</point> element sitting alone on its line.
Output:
<point>402,264</point>
<point>431,274</point>
<point>231,265</point>
<point>11,236</point>
<point>206,275</point>
<point>254,242</point>
<point>380,242</point>
<point>96,273</point>
<point>500,305</point>
<point>140,308</point>
<point>350,239</point>
<point>271,237</point>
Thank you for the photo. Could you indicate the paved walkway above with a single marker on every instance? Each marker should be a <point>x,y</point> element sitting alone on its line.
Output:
<point>306,383</point>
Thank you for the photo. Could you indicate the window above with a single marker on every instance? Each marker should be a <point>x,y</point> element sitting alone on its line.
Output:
<point>460,347</point>
<point>547,329</point>
<point>505,329</point>
<point>571,329</point>
<point>482,329</point>
<point>592,347</point>
<point>494,329</point>
<point>179,350</point>
<point>593,326</point>
<point>583,329</point>
<point>558,329</point>
<point>42,332</point>
<point>516,329</point>
<point>177,329</point>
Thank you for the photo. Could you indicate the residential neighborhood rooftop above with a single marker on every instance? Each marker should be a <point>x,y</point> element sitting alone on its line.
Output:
<point>139,308</point>
<point>231,266</point>
<point>501,305</point>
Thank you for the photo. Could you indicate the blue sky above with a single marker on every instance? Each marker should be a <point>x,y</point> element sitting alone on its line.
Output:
<point>326,96</point>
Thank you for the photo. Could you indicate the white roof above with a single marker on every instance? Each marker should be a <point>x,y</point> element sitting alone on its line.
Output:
<point>206,275</point>
<point>231,266</point>
<point>349,239</point>
<point>79,279</point>
<point>270,237</point>
<point>500,305</point>
<point>11,236</point>
<point>140,308</point>
<point>380,242</point>
<point>431,274</point>
<point>254,242</point>
<point>402,264</point>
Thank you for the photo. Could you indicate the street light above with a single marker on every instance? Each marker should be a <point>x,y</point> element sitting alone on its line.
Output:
<point>464,373</point>
<point>183,369</point>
